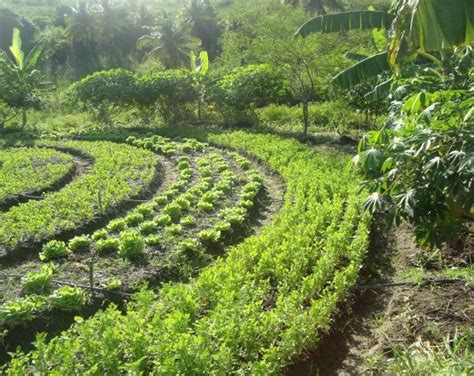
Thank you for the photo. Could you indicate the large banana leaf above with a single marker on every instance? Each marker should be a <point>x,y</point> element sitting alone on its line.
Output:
<point>380,91</point>
<point>329,23</point>
<point>16,50</point>
<point>369,67</point>
<point>429,26</point>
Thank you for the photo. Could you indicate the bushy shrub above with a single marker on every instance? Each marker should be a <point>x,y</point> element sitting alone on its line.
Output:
<point>257,85</point>
<point>131,244</point>
<point>170,91</point>
<point>53,250</point>
<point>105,93</point>
<point>331,115</point>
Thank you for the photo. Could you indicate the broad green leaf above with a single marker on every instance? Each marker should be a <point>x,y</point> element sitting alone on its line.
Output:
<point>367,68</point>
<point>330,23</point>
<point>380,91</point>
<point>16,50</point>
<point>35,53</point>
<point>204,62</point>
<point>355,56</point>
<point>192,58</point>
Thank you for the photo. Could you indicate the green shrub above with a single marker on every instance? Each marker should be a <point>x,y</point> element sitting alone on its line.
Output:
<point>257,85</point>
<point>131,244</point>
<point>105,93</point>
<point>68,298</point>
<point>170,91</point>
<point>329,116</point>
<point>80,243</point>
<point>53,250</point>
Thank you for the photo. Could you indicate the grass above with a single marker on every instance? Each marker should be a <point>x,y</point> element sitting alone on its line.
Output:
<point>453,356</point>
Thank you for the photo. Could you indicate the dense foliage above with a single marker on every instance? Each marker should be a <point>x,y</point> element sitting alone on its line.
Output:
<point>86,198</point>
<point>25,170</point>
<point>251,312</point>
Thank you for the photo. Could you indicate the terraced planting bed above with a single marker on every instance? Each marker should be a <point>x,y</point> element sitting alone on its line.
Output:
<point>28,172</point>
<point>222,297</point>
<point>208,198</point>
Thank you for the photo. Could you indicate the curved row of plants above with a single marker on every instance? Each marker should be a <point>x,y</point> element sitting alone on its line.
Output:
<point>169,237</point>
<point>251,312</point>
<point>119,172</point>
<point>28,170</point>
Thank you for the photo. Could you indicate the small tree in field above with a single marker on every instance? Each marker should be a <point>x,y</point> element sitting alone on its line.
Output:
<point>19,78</point>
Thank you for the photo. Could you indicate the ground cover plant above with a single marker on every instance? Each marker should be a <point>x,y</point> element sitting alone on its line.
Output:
<point>277,282</point>
<point>30,170</point>
<point>167,237</point>
<point>118,172</point>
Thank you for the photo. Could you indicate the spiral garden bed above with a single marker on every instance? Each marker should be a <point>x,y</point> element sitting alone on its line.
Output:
<point>220,295</point>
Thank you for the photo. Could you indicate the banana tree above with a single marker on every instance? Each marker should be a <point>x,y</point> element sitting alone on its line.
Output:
<point>417,27</point>
<point>19,78</point>
<point>201,70</point>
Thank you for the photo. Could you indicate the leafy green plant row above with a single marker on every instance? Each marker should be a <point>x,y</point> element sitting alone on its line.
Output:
<point>25,170</point>
<point>167,223</point>
<point>119,172</point>
<point>250,313</point>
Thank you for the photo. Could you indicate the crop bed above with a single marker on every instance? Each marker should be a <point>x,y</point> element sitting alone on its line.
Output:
<point>118,172</point>
<point>250,312</point>
<point>208,198</point>
<point>28,171</point>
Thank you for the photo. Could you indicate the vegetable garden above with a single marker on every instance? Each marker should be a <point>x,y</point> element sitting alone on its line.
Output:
<point>283,281</point>
<point>223,187</point>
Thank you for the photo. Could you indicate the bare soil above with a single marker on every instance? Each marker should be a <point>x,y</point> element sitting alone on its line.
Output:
<point>372,322</point>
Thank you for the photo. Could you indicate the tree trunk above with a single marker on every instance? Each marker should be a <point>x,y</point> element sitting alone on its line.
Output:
<point>24,116</point>
<point>305,116</point>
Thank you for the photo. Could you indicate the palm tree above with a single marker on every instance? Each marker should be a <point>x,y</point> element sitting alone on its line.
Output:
<point>319,7</point>
<point>83,32</point>
<point>170,42</point>
<point>200,14</point>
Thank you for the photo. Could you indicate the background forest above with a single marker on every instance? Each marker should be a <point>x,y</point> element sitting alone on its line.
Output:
<point>145,37</point>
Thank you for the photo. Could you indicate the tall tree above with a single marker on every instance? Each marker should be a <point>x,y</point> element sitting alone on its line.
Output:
<point>171,42</point>
<point>83,30</point>
<point>319,7</point>
<point>200,14</point>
